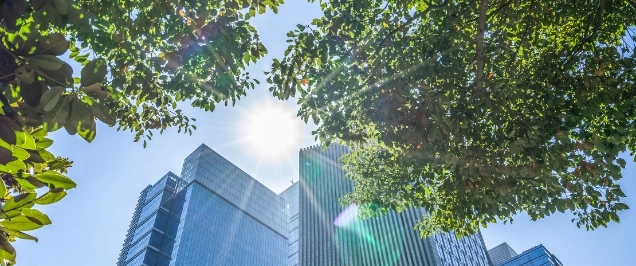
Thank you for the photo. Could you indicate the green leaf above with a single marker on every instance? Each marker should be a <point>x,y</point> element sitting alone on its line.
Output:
<point>53,44</point>
<point>44,143</point>
<point>7,251</point>
<point>53,196</point>
<point>102,113</point>
<point>19,202</point>
<point>18,234</point>
<point>7,129</point>
<point>56,118</point>
<point>21,223</point>
<point>37,216</point>
<point>48,62</point>
<point>87,133</point>
<point>56,179</point>
<point>25,140</point>
<point>61,6</point>
<point>51,97</point>
<point>93,72</point>
<point>621,206</point>
<point>618,192</point>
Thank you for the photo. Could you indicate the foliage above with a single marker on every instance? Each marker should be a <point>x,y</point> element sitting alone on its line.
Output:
<point>474,110</point>
<point>138,59</point>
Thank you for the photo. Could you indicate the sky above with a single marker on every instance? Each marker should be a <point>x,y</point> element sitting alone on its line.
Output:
<point>90,224</point>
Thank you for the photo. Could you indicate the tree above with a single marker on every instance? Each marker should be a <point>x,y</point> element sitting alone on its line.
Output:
<point>139,60</point>
<point>473,110</point>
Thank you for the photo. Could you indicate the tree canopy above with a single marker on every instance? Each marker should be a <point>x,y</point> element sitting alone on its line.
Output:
<point>138,60</point>
<point>474,110</point>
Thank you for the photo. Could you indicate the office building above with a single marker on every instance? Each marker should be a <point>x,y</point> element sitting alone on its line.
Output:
<point>536,256</point>
<point>291,197</point>
<point>214,214</point>
<point>153,228</point>
<point>501,253</point>
<point>332,235</point>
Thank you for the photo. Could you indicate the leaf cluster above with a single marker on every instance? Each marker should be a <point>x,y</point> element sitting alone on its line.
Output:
<point>473,110</point>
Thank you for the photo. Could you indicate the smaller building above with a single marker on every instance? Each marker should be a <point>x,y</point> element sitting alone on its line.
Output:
<point>501,253</point>
<point>536,256</point>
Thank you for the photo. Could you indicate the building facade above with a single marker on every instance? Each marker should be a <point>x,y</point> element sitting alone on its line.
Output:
<point>152,231</point>
<point>219,215</point>
<point>536,256</point>
<point>291,197</point>
<point>332,235</point>
<point>501,253</point>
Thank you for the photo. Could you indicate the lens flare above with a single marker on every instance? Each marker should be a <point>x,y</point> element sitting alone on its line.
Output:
<point>347,216</point>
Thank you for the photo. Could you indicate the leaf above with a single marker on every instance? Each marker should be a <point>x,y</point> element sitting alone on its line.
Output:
<point>19,202</point>
<point>18,234</point>
<point>25,140</point>
<point>96,90</point>
<point>5,156</point>
<point>6,249</point>
<point>31,93</point>
<point>25,74</point>
<point>621,206</point>
<point>56,118</point>
<point>93,72</point>
<point>63,75</point>
<point>48,62</point>
<point>53,44</point>
<point>618,192</point>
<point>21,223</point>
<point>56,179</point>
<point>53,196</point>
<point>7,129</point>
<point>51,97</point>
<point>102,113</point>
<point>37,216</point>
<point>88,133</point>
<point>44,143</point>
<point>77,16</point>
<point>61,6</point>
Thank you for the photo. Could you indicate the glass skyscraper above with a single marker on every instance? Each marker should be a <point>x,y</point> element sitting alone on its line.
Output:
<point>291,196</point>
<point>536,256</point>
<point>216,215</point>
<point>501,253</point>
<point>332,235</point>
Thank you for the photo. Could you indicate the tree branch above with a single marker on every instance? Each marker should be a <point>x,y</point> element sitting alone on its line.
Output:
<point>479,42</point>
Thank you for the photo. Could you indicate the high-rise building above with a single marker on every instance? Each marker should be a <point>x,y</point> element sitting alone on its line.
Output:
<point>536,256</point>
<point>332,235</point>
<point>216,215</point>
<point>153,228</point>
<point>291,197</point>
<point>501,253</point>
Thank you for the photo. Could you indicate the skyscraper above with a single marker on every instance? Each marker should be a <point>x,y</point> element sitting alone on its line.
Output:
<point>332,235</point>
<point>536,256</point>
<point>501,253</point>
<point>150,238</point>
<point>219,216</point>
<point>291,197</point>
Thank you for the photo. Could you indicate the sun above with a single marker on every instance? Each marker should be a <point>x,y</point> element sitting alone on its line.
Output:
<point>271,130</point>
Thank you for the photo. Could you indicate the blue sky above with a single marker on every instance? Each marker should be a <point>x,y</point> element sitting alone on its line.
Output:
<point>91,222</point>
